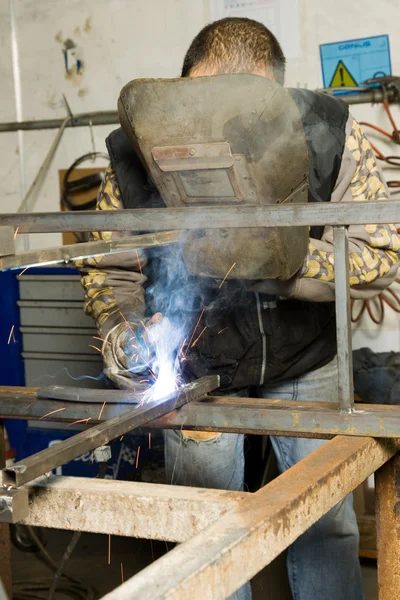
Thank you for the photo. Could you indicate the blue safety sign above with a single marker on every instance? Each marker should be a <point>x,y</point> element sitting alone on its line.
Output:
<point>348,64</point>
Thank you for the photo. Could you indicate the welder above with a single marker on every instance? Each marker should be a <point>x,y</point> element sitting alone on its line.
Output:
<point>274,333</point>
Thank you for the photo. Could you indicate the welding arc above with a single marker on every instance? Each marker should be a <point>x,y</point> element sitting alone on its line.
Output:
<point>51,458</point>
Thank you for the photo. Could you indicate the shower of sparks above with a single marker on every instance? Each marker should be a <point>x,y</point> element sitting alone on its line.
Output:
<point>51,413</point>
<point>137,457</point>
<point>80,421</point>
<point>197,339</point>
<point>16,232</point>
<point>94,347</point>
<point>138,259</point>
<point>122,573</point>
<point>22,272</point>
<point>101,410</point>
<point>221,330</point>
<point>149,440</point>
<point>194,331</point>
<point>222,282</point>
<point>109,549</point>
<point>11,334</point>
<point>101,339</point>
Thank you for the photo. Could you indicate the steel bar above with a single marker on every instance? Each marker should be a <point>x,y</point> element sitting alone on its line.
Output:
<point>214,217</point>
<point>212,564</point>
<point>221,413</point>
<point>361,96</point>
<point>387,507</point>
<point>5,547</point>
<point>108,117</point>
<point>343,319</point>
<point>50,458</point>
<point>72,252</point>
<point>144,510</point>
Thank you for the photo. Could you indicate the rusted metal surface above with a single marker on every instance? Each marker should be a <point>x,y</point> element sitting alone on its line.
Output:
<point>33,466</point>
<point>210,217</point>
<point>5,549</point>
<point>220,559</point>
<point>72,252</point>
<point>387,484</point>
<point>144,510</point>
<point>221,413</point>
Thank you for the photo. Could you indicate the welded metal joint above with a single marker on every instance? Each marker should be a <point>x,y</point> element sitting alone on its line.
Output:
<point>14,504</point>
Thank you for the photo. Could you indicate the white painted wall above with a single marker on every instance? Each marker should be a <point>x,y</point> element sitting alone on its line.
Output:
<point>125,39</point>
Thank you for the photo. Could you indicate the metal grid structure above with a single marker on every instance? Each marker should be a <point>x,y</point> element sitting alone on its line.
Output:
<point>230,525</point>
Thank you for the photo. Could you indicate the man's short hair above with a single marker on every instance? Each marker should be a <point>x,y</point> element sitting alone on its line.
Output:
<point>236,45</point>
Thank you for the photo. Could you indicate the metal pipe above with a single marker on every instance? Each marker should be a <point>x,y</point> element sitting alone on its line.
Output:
<point>107,117</point>
<point>343,319</point>
<point>210,217</point>
<point>51,458</point>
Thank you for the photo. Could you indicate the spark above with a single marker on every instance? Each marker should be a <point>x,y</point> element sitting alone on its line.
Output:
<point>127,323</point>
<point>121,438</point>
<point>194,331</point>
<point>101,410</point>
<point>94,347</point>
<point>79,421</point>
<point>16,232</point>
<point>22,272</point>
<point>138,259</point>
<point>122,573</point>
<point>137,457</point>
<point>51,413</point>
<point>197,339</point>
<point>144,381</point>
<point>181,348</point>
<point>101,339</point>
<point>109,549</point>
<point>149,440</point>
<point>221,330</point>
<point>222,282</point>
<point>11,334</point>
<point>25,409</point>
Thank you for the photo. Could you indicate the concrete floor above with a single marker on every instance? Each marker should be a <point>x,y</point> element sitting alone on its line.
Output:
<point>89,563</point>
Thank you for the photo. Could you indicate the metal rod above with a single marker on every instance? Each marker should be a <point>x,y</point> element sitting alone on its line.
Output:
<point>343,319</point>
<point>219,413</point>
<point>47,460</point>
<point>210,217</point>
<point>108,117</point>
<point>220,559</point>
<point>5,547</point>
<point>387,508</point>
<point>73,252</point>
<point>360,96</point>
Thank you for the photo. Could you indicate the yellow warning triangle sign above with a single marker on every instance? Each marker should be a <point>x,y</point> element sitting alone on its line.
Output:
<point>342,77</point>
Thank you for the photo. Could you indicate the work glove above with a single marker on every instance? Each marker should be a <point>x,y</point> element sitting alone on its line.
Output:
<point>127,353</point>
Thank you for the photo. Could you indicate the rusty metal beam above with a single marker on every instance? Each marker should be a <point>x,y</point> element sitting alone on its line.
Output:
<point>387,486</point>
<point>230,551</point>
<point>33,466</point>
<point>143,510</point>
<point>210,217</point>
<point>221,413</point>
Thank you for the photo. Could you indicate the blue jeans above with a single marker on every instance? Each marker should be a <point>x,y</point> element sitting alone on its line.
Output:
<point>322,563</point>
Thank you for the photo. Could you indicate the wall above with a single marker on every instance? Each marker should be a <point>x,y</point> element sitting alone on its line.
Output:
<point>126,39</point>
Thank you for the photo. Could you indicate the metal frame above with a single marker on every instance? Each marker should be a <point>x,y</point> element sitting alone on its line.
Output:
<point>266,522</point>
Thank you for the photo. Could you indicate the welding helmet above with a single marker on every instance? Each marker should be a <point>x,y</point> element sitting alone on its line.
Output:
<point>228,140</point>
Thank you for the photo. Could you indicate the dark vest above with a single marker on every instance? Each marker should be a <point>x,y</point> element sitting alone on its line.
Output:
<point>250,338</point>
